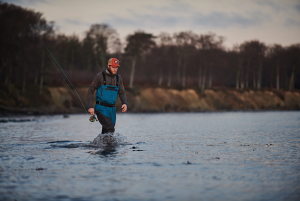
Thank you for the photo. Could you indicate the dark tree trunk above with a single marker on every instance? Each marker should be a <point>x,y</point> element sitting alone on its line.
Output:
<point>9,78</point>
<point>24,80</point>
<point>183,74</point>
<point>210,80</point>
<point>169,78</point>
<point>200,78</point>
<point>160,77</point>
<point>42,72</point>
<point>238,75</point>
<point>254,79</point>
<point>277,77</point>
<point>292,80</point>
<point>72,66</point>
<point>237,83</point>
<point>36,76</point>
<point>103,61</point>
<point>178,69</point>
<point>89,63</point>
<point>204,78</point>
<point>242,79</point>
<point>259,75</point>
<point>97,65</point>
<point>132,71</point>
<point>247,76</point>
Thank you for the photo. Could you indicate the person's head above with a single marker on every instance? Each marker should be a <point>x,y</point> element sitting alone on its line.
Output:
<point>113,65</point>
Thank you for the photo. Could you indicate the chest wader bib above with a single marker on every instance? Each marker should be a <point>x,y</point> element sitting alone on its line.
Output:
<point>106,98</point>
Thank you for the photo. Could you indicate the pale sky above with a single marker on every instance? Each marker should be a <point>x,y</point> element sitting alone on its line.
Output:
<point>270,21</point>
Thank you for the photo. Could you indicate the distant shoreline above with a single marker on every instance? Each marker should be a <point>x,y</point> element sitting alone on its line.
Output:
<point>59,100</point>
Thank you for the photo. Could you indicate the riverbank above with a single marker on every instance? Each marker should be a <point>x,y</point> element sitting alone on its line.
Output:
<point>58,100</point>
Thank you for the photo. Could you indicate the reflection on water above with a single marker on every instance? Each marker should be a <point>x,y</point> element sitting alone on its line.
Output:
<point>108,150</point>
<point>178,156</point>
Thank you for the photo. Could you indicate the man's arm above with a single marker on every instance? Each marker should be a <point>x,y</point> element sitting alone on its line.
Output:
<point>95,84</point>
<point>122,94</point>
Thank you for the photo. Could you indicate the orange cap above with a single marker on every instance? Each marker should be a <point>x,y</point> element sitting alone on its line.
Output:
<point>113,62</point>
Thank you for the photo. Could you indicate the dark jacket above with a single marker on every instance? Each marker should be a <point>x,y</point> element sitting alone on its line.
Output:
<point>110,80</point>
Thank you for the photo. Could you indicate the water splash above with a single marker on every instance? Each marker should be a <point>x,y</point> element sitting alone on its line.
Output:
<point>109,139</point>
<point>101,141</point>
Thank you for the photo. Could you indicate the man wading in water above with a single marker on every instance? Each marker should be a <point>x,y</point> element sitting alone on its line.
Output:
<point>108,84</point>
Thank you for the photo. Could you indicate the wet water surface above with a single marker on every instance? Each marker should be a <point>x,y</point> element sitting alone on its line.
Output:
<point>178,156</point>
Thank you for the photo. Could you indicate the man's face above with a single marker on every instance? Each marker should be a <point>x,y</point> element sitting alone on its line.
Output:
<point>113,70</point>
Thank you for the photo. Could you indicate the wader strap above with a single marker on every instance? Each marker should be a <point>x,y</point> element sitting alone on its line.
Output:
<point>104,78</point>
<point>105,104</point>
<point>117,76</point>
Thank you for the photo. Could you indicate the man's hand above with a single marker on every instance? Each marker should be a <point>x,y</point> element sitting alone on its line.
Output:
<point>124,108</point>
<point>91,111</point>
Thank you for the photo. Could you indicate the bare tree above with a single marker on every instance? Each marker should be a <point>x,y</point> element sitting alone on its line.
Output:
<point>275,53</point>
<point>186,42</point>
<point>237,50</point>
<point>104,38</point>
<point>210,44</point>
<point>137,44</point>
<point>254,52</point>
<point>294,57</point>
<point>165,42</point>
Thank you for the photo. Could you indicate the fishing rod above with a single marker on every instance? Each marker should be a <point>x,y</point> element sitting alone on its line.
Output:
<point>92,118</point>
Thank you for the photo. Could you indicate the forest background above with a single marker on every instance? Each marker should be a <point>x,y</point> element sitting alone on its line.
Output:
<point>180,61</point>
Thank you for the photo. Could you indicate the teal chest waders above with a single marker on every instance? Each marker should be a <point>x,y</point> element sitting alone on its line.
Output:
<point>106,98</point>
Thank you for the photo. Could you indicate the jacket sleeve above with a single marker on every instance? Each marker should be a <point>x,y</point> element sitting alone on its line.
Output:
<point>95,84</point>
<point>122,93</point>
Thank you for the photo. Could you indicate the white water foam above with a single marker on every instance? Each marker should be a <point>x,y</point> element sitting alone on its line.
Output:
<point>109,139</point>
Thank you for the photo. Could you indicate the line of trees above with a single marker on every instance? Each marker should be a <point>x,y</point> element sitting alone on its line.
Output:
<point>184,59</point>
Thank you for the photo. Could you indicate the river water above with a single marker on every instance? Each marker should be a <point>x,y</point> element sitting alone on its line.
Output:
<point>175,156</point>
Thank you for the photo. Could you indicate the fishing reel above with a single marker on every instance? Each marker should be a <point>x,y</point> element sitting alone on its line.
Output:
<point>93,118</point>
